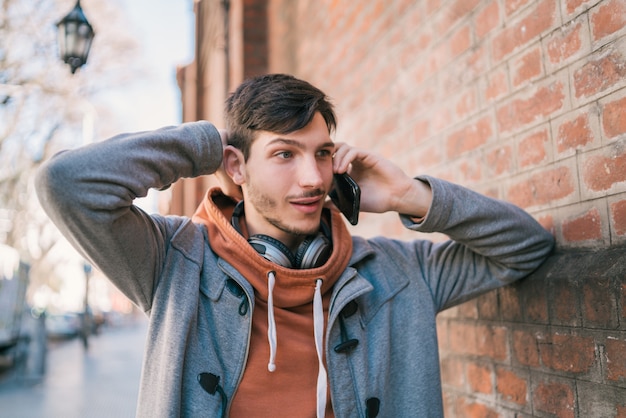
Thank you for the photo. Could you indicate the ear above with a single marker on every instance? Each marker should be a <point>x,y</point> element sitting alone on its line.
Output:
<point>234,164</point>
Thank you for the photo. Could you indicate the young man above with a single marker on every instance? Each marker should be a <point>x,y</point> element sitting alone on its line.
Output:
<point>268,307</point>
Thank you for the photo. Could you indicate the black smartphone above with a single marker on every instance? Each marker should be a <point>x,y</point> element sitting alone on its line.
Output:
<point>346,195</point>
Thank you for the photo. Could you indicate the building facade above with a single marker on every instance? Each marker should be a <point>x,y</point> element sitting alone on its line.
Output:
<point>522,100</point>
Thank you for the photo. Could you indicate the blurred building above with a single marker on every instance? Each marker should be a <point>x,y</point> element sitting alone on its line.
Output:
<point>520,100</point>
<point>231,45</point>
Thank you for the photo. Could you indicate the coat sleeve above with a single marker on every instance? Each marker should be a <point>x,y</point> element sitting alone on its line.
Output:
<point>492,243</point>
<point>88,193</point>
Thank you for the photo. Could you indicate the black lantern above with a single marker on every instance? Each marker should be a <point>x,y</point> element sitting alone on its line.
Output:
<point>75,36</point>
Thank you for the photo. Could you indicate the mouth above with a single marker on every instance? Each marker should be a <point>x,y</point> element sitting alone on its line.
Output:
<point>308,204</point>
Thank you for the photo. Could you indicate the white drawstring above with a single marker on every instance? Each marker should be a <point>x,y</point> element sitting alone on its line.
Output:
<point>318,330</point>
<point>271,323</point>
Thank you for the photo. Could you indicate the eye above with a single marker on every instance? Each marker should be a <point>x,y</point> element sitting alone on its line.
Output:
<point>325,153</point>
<point>284,154</point>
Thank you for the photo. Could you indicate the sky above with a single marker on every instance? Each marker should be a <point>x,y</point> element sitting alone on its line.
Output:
<point>165,31</point>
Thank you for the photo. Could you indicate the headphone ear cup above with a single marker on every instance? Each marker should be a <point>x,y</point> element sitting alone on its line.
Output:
<point>273,250</point>
<point>313,252</point>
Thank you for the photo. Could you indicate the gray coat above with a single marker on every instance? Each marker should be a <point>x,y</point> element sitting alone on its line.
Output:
<point>381,340</point>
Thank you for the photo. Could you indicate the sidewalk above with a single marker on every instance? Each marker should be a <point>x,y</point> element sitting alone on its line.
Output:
<point>100,383</point>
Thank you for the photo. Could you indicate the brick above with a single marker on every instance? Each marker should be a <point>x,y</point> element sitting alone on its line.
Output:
<point>470,169</point>
<point>419,132</point>
<point>462,337</point>
<point>487,19</point>
<point>419,101</point>
<point>555,398</point>
<point>568,353</point>
<point>511,386</point>
<point>543,187</point>
<point>409,50</point>
<point>603,171</point>
<point>613,120</point>
<point>460,41</point>
<point>449,404</point>
<point>608,18</point>
<point>511,6</point>
<point>574,133</point>
<point>466,104</point>
<point>535,302</point>
<point>479,378</point>
<point>510,308</point>
<point>565,44</point>
<point>618,217</point>
<point>452,372</point>
<point>565,304</point>
<point>490,192</point>
<point>497,84</point>
<point>487,305</point>
<point>583,228</point>
<point>599,304</point>
<point>429,156</point>
<point>616,359</point>
<point>432,6</point>
<point>468,310</point>
<point>441,120</point>
<point>599,400</point>
<point>600,74</point>
<point>519,112</point>
<point>454,12</point>
<point>623,298</point>
<point>469,137</point>
<point>470,408</point>
<point>437,59</point>
<point>532,149</point>
<point>572,6</point>
<point>527,67</point>
<point>491,341</point>
<point>499,160</point>
<point>442,331</point>
<point>475,64</point>
<point>537,21</point>
<point>525,348</point>
<point>547,221</point>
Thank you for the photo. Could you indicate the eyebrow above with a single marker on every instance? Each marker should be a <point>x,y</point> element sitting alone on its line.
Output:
<point>298,144</point>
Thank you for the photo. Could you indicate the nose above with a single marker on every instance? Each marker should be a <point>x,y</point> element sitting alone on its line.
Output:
<point>310,173</point>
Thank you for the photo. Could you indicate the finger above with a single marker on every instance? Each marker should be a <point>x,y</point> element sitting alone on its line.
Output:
<point>344,155</point>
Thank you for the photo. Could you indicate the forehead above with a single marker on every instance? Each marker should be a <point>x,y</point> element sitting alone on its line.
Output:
<point>315,135</point>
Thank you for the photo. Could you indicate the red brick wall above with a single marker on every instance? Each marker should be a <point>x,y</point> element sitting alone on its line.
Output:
<point>523,100</point>
<point>552,344</point>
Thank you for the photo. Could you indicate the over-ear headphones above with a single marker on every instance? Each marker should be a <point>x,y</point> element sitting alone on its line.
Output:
<point>313,252</point>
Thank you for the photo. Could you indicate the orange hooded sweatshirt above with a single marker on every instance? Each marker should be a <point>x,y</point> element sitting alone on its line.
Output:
<point>290,390</point>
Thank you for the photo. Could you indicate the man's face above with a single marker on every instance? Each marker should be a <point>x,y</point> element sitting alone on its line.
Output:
<point>287,178</point>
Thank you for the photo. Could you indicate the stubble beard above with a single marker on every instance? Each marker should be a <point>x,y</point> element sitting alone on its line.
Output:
<point>265,206</point>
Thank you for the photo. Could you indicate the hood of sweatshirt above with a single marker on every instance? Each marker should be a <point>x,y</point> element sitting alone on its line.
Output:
<point>293,287</point>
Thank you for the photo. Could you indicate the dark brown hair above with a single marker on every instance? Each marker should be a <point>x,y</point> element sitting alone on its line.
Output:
<point>277,103</point>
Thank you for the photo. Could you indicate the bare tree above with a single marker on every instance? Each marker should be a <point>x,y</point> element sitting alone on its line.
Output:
<point>44,108</point>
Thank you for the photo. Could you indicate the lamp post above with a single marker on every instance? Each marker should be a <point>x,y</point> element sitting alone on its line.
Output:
<point>75,37</point>
<point>86,317</point>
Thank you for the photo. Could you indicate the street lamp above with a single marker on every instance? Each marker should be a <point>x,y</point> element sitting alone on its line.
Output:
<point>75,36</point>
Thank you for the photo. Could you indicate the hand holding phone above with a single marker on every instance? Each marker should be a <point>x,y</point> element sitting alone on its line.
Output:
<point>346,195</point>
